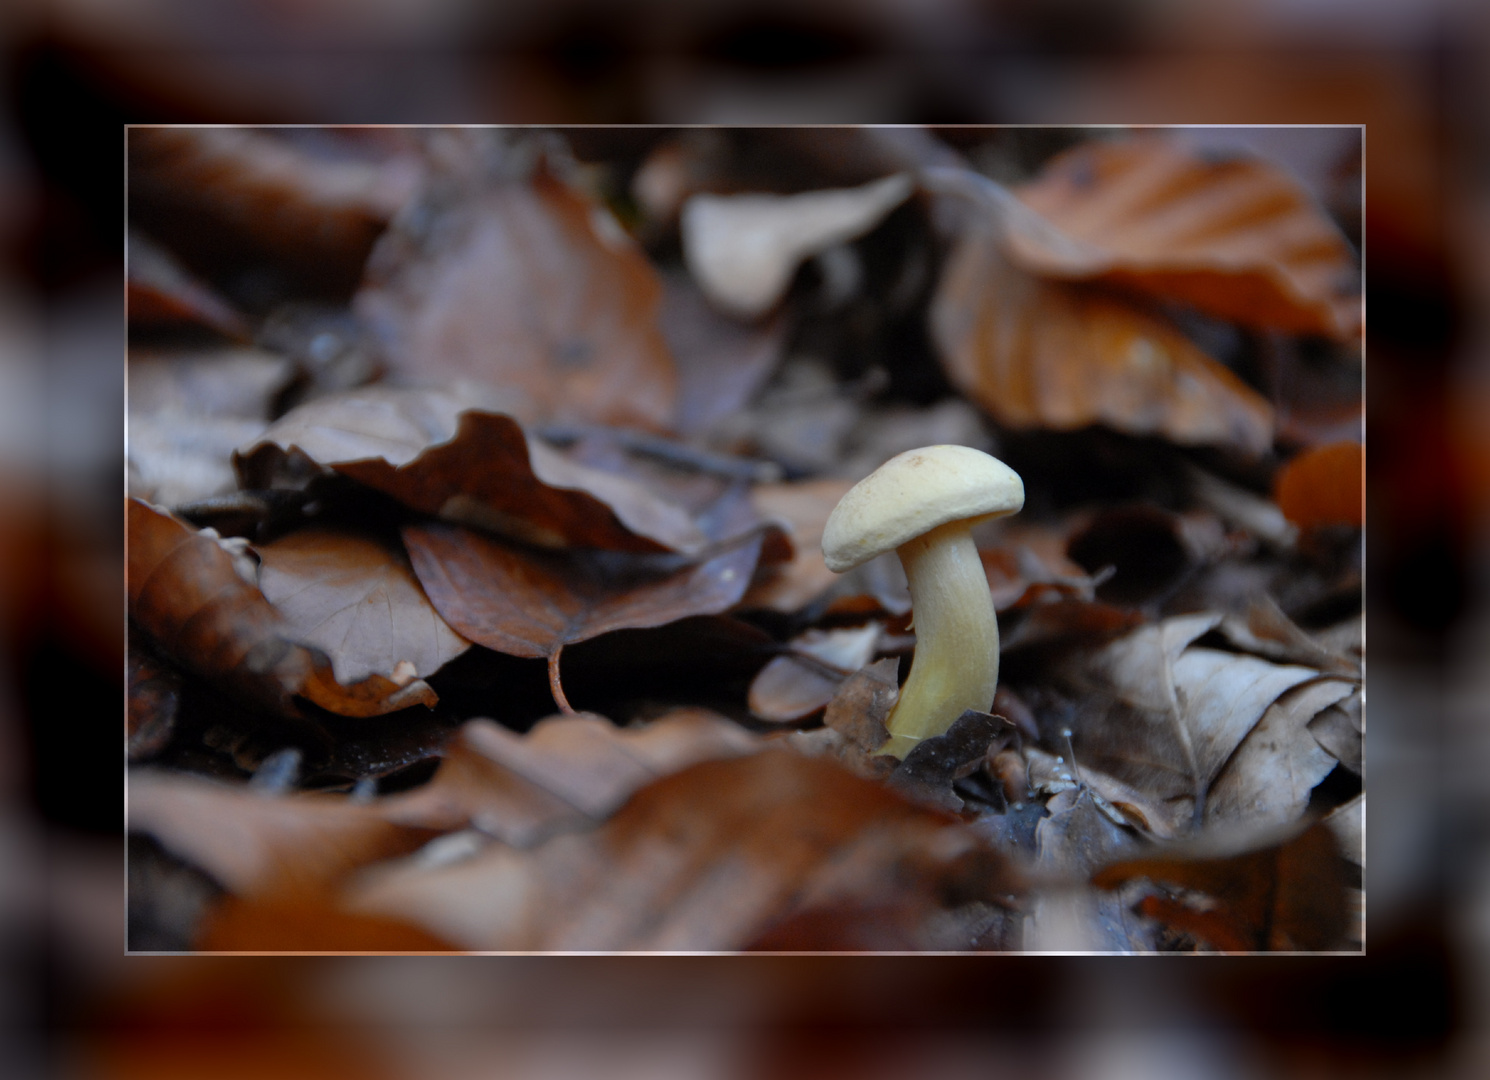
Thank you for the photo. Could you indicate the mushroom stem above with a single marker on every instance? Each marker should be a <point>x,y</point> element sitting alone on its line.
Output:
<point>956,663</point>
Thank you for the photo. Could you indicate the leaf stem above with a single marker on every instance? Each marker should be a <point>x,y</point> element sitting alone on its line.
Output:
<point>553,682</point>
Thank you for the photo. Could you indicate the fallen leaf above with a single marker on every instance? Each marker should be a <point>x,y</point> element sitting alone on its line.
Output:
<point>240,195</point>
<point>314,926</point>
<point>1324,485</point>
<point>258,845</point>
<point>1348,823</point>
<point>441,453</point>
<point>928,771</point>
<point>1046,354</point>
<point>527,285</point>
<point>200,603</point>
<point>567,773</point>
<point>359,602</point>
<point>1287,896</point>
<point>1337,729</point>
<point>1066,916</point>
<point>744,249</point>
<point>1269,778</point>
<point>1235,236</point>
<point>804,507</point>
<point>532,603</point>
<point>1164,715</point>
<point>804,678</point>
<point>705,859</point>
<point>1263,628</point>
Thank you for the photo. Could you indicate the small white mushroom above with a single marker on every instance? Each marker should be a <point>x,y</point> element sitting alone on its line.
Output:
<point>923,504</point>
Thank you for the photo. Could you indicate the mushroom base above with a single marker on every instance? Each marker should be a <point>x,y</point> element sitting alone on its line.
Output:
<point>956,662</point>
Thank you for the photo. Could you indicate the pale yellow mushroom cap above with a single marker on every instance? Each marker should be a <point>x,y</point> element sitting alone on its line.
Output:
<point>913,493</point>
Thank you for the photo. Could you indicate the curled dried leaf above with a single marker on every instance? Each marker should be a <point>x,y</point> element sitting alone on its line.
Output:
<point>199,601</point>
<point>743,249</point>
<point>1236,236</point>
<point>442,453</point>
<point>1047,354</point>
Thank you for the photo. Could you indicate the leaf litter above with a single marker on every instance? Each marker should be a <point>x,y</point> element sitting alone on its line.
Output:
<point>614,429</point>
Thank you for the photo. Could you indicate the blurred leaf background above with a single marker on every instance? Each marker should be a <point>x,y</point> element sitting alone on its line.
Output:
<point>1412,72</point>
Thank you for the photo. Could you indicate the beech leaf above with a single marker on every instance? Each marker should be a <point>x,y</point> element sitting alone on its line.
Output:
<point>199,602</point>
<point>359,602</point>
<point>530,286</point>
<point>440,453</point>
<point>1047,354</point>
<point>709,858</point>
<point>743,249</point>
<point>1287,896</point>
<point>1235,236</point>
<point>532,603</point>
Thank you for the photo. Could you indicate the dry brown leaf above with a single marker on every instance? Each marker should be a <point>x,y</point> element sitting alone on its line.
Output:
<point>1263,628</point>
<point>359,602</point>
<point>709,858</point>
<point>528,286</point>
<point>1074,839</point>
<point>568,772</point>
<point>1348,823</point>
<point>804,678</point>
<point>1338,731</point>
<point>1165,715</point>
<point>935,763</point>
<point>258,845</point>
<point>199,602</point>
<point>306,925</point>
<point>1324,485</point>
<point>442,453</point>
<point>744,249</point>
<point>531,603</point>
<point>1235,236</point>
<point>804,507</point>
<point>1269,778</point>
<point>253,193</point>
<point>1044,354</point>
<point>1282,897</point>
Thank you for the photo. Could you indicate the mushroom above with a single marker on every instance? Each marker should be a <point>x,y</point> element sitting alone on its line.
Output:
<point>923,504</point>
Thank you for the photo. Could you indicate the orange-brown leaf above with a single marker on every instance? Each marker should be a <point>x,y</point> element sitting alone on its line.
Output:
<point>1324,485</point>
<point>440,453</point>
<point>567,772</point>
<point>185,592</point>
<point>200,605</point>
<point>1236,237</point>
<point>530,286</point>
<point>1047,354</point>
<point>708,858</point>
<point>255,844</point>
<point>238,925</point>
<point>1288,896</point>
<point>531,603</point>
<point>359,602</point>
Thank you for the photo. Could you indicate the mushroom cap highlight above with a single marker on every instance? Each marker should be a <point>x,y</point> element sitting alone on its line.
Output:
<point>913,493</point>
